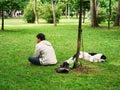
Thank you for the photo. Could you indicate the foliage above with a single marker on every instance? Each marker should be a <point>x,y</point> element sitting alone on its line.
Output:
<point>18,42</point>
<point>102,16</point>
<point>105,5</point>
<point>114,9</point>
<point>29,13</point>
<point>47,14</point>
<point>12,5</point>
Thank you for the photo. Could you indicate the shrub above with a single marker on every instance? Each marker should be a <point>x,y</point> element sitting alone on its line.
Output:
<point>101,15</point>
<point>47,14</point>
<point>71,14</point>
<point>29,13</point>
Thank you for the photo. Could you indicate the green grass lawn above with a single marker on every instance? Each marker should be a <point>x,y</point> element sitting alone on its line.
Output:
<point>18,41</point>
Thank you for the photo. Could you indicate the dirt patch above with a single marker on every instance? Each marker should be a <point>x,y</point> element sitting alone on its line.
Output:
<point>80,70</point>
<point>87,68</point>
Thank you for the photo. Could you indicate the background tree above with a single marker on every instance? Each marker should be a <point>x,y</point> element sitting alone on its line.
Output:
<point>86,7</point>
<point>9,6</point>
<point>14,5</point>
<point>35,11</point>
<point>94,22</point>
<point>109,16</point>
<point>29,15</point>
<point>46,11</point>
<point>79,34</point>
<point>54,12</point>
<point>2,13</point>
<point>117,18</point>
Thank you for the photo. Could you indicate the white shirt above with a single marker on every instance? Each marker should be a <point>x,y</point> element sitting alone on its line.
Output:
<point>45,52</point>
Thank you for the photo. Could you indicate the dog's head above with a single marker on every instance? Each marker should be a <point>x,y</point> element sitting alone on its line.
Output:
<point>99,58</point>
<point>103,58</point>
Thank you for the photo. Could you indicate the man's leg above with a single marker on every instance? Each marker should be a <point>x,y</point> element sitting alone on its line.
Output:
<point>34,60</point>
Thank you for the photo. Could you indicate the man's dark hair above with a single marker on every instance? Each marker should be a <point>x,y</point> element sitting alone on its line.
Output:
<point>41,36</point>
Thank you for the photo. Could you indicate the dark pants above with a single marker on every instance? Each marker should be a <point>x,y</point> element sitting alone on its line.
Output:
<point>34,60</point>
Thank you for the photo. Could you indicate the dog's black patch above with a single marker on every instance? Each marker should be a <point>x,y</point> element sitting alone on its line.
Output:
<point>92,54</point>
<point>103,57</point>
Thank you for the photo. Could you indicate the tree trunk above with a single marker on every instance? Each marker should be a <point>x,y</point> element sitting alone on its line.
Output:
<point>79,34</point>
<point>94,22</point>
<point>96,7</point>
<point>109,17</point>
<point>2,20</point>
<point>54,14</point>
<point>35,12</point>
<point>117,18</point>
<point>76,13</point>
<point>68,12</point>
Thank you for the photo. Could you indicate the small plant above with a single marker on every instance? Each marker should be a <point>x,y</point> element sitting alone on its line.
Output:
<point>47,13</point>
<point>29,13</point>
<point>101,15</point>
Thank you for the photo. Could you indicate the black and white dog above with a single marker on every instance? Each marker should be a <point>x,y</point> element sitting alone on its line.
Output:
<point>69,63</point>
<point>92,57</point>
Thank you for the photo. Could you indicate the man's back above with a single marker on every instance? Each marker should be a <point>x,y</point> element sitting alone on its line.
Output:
<point>46,53</point>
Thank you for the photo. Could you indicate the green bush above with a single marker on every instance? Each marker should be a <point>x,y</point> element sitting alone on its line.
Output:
<point>102,16</point>
<point>29,13</point>
<point>47,14</point>
<point>71,14</point>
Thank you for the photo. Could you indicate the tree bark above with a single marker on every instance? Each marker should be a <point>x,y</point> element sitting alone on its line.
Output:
<point>54,14</point>
<point>117,18</point>
<point>2,27</point>
<point>109,17</point>
<point>96,7</point>
<point>94,22</point>
<point>79,34</point>
<point>35,12</point>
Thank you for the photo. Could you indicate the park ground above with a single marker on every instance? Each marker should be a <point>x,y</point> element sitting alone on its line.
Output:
<point>18,41</point>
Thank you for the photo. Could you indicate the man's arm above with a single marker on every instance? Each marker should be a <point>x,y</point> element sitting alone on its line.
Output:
<point>37,51</point>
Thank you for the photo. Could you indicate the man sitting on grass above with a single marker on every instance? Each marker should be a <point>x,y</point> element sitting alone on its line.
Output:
<point>44,52</point>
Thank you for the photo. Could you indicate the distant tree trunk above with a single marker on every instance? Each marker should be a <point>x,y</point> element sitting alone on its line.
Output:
<point>79,34</point>
<point>2,27</point>
<point>54,13</point>
<point>76,13</point>
<point>66,11</point>
<point>97,7</point>
<point>94,22</point>
<point>68,16</point>
<point>109,17</point>
<point>35,12</point>
<point>117,18</point>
